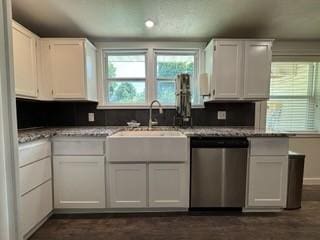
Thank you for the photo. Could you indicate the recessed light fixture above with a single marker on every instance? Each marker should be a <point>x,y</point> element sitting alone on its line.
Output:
<point>149,23</point>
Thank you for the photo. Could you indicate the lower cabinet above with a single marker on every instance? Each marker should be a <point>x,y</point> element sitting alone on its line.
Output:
<point>35,184</point>
<point>267,185</point>
<point>35,206</point>
<point>79,181</point>
<point>168,185</point>
<point>141,185</point>
<point>128,185</point>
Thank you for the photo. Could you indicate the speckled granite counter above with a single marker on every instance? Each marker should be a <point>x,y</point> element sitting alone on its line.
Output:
<point>39,133</point>
<point>230,132</point>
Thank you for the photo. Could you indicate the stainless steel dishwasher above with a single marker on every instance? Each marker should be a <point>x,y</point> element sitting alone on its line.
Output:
<point>218,172</point>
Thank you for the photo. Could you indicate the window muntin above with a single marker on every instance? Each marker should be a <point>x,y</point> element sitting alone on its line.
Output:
<point>294,96</point>
<point>125,82</point>
<point>168,66</point>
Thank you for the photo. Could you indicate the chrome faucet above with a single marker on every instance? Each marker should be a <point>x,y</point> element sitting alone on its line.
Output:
<point>151,122</point>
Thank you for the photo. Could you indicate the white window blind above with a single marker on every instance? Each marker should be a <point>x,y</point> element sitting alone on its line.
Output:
<point>293,104</point>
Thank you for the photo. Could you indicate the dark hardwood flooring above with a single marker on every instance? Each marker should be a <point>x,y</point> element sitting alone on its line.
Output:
<point>301,224</point>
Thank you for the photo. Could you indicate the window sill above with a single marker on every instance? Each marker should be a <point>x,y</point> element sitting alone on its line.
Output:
<point>130,107</point>
<point>315,134</point>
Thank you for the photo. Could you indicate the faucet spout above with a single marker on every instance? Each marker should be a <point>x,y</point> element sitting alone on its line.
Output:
<point>151,122</point>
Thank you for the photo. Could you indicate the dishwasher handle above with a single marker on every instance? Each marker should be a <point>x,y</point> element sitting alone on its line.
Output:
<point>219,142</point>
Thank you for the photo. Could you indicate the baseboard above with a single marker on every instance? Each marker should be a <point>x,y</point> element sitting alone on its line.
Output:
<point>36,227</point>
<point>261,210</point>
<point>311,181</point>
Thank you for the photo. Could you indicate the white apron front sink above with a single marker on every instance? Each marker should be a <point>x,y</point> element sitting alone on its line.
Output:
<point>147,146</point>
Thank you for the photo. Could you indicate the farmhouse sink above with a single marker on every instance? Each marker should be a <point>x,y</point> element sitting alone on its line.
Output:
<point>147,146</point>
<point>146,133</point>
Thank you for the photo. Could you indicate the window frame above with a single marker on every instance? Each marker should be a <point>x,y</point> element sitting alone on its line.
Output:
<point>106,80</point>
<point>149,47</point>
<point>178,52</point>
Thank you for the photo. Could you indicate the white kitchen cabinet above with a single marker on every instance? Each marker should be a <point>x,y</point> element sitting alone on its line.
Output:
<point>35,207</point>
<point>168,185</point>
<point>35,184</point>
<point>25,61</point>
<point>267,173</point>
<point>268,181</point>
<point>79,181</point>
<point>257,69</point>
<point>238,69</point>
<point>72,68</point>
<point>226,69</point>
<point>127,185</point>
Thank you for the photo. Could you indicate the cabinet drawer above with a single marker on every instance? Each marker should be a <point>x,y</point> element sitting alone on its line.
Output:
<point>31,152</point>
<point>93,147</point>
<point>34,174</point>
<point>35,206</point>
<point>272,146</point>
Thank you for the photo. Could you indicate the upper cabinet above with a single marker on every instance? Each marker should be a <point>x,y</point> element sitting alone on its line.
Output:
<point>238,69</point>
<point>53,68</point>
<point>257,69</point>
<point>25,61</point>
<point>72,68</point>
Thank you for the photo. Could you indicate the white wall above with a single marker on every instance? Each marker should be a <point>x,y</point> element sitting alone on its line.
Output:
<point>310,146</point>
<point>8,131</point>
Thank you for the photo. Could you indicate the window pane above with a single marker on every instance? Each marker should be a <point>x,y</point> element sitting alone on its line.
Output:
<point>291,78</point>
<point>126,66</point>
<point>166,92</point>
<point>169,66</point>
<point>126,92</point>
<point>293,104</point>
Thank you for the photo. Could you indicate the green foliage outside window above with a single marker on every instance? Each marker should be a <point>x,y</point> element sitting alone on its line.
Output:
<point>126,91</point>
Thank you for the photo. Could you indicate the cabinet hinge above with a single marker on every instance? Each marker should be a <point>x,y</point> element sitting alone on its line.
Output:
<point>38,90</point>
<point>49,46</point>
<point>214,48</point>
<point>52,92</point>
<point>213,92</point>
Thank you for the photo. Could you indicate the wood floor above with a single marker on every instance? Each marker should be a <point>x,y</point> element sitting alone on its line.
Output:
<point>301,224</point>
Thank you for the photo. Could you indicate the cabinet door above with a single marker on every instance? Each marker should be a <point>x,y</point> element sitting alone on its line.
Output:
<point>35,206</point>
<point>127,185</point>
<point>67,69</point>
<point>267,181</point>
<point>79,181</point>
<point>168,185</point>
<point>257,69</point>
<point>25,64</point>
<point>227,65</point>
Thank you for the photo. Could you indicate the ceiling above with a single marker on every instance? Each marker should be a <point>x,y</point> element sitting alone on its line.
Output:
<point>174,19</point>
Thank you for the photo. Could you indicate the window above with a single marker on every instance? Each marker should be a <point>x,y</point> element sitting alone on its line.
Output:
<point>294,96</point>
<point>132,78</point>
<point>125,78</point>
<point>168,66</point>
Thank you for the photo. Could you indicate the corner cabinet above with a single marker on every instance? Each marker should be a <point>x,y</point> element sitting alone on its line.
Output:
<point>238,69</point>
<point>25,61</point>
<point>71,68</point>
<point>53,68</point>
<point>267,173</point>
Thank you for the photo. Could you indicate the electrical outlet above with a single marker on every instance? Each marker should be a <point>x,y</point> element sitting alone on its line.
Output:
<point>91,117</point>
<point>222,115</point>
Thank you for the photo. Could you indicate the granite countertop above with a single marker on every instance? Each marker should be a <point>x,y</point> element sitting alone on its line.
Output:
<point>29,135</point>
<point>231,132</point>
<point>39,133</point>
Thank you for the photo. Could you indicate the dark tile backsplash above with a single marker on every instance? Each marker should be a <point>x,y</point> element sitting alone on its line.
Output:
<point>45,114</point>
